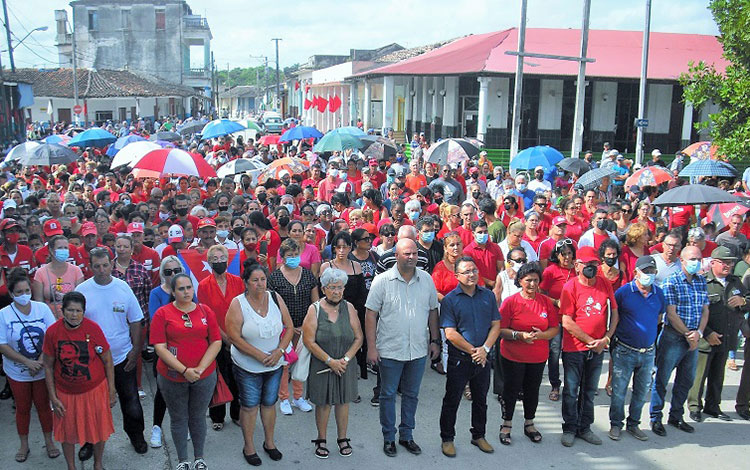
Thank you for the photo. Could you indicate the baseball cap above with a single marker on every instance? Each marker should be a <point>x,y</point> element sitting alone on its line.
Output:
<point>52,227</point>
<point>135,227</point>
<point>10,203</point>
<point>175,234</point>
<point>206,222</point>
<point>539,167</point>
<point>559,220</point>
<point>88,228</point>
<point>620,157</point>
<point>723,253</point>
<point>8,223</point>
<point>373,162</point>
<point>391,172</point>
<point>644,262</point>
<point>371,229</point>
<point>655,152</point>
<point>586,254</point>
<point>635,188</point>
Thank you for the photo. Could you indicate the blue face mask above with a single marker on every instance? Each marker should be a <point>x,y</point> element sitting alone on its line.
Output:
<point>389,180</point>
<point>414,216</point>
<point>481,238</point>
<point>62,254</point>
<point>693,266</point>
<point>427,237</point>
<point>292,262</point>
<point>222,233</point>
<point>646,279</point>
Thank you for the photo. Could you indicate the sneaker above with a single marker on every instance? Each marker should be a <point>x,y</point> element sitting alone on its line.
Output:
<point>636,432</point>
<point>285,407</point>
<point>375,401</point>
<point>183,466</point>
<point>302,404</point>
<point>591,438</point>
<point>200,464</point>
<point>614,433</point>
<point>567,439</point>
<point>141,394</point>
<point>155,440</point>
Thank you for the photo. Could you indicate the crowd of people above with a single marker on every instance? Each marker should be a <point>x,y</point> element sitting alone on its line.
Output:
<point>377,266</point>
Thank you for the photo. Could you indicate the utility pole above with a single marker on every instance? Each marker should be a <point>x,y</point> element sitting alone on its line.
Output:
<point>642,87</point>
<point>265,78</point>
<point>214,85</point>
<point>581,84</point>
<point>518,89</point>
<point>4,137</point>
<point>74,61</point>
<point>277,102</point>
<point>7,34</point>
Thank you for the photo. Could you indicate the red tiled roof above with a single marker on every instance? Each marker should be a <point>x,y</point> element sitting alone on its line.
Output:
<point>617,54</point>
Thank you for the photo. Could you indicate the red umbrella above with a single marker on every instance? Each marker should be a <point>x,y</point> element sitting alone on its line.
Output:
<point>270,139</point>
<point>649,176</point>
<point>162,162</point>
<point>721,213</point>
<point>700,150</point>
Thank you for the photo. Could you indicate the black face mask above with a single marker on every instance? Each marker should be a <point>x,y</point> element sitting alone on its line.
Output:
<point>238,230</point>
<point>149,243</point>
<point>219,268</point>
<point>89,214</point>
<point>539,177</point>
<point>589,272</point>
<point>237,213</point>
<point>610,261</point>
<point>475,194</point>
<point>284,220</point>
<point>602,224</point>
<point>182,211</point>
<point>67,232</point>
<point>438,200</point>
<point>262,198</point>
<point>508,206</point>
<point>246,185</point>
<point>223,208</point>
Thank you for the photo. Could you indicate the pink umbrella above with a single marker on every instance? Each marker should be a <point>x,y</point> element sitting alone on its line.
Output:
<point>163,162</point>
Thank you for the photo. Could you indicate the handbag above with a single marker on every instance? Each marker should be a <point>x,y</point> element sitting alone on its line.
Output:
<point>301,369</point>
<point>222,395</point>
<point>290,354</point>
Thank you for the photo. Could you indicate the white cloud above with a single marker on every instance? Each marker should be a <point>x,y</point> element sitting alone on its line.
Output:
<point>243,28</point>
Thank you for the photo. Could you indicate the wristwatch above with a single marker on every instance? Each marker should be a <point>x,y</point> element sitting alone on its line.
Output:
<point>346,359</point>
<point>487,349</point>
<point>436,341</point>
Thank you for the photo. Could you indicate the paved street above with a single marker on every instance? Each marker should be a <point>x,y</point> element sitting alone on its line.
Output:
<point>723,444</point>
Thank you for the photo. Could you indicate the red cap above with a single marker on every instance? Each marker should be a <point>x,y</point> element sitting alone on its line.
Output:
<point>587,254</point>
<point>135,227</point>
<point>8,223</point>
<point>371,229</point>
<point>52,228</point>
<point>88,228</point>
<point>559,220</point>
<point>206,222</point>
<point>372,162</point>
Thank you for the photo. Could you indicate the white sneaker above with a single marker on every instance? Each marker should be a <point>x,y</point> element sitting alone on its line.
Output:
<point>200,464</point>
<point>285,407</point>
<point>155,437</point>
<point>141,394</point>
<point>188,438</point>
<point>302,404</point>
<point>183,466</point>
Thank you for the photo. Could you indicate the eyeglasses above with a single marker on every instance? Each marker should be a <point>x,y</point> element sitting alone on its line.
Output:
<point>366,239</point>
<point>186,319</point>
<point>308,213</point>
<point>470,272</point>
<point>334,288</point>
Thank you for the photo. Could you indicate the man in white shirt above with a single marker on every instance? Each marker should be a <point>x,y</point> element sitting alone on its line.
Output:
<point>668,262</point>
<point>112,305</point>
<point>539,184</point>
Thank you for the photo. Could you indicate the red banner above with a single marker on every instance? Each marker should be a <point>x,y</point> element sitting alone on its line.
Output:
<point>307,104</point>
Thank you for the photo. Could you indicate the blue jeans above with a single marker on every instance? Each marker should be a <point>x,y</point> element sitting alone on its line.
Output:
<point>627,363</point>
<point>409,374</point>
<point>582,371</point>
<point>257,389</point>
<point>672,351</point>
<point>553,362</point>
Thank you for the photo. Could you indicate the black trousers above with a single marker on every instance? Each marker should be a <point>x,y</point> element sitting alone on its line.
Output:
<point>743,392</point>
<point>224,364</point>
<point>520,376</point>
<point>462,370</point>
<point>498,382</point>
<point>130,405</point>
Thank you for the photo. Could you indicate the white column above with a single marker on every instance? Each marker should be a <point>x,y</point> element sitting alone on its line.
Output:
<point>426,100</point>
<point>366,112</point>
<point>416,111</point>
<point>450,106</point>
<point>408,107</point>
<point>388,101</point>
<point>342,109</point>
<point>353,103</point>
<point>484,89</point>
<point>331,116</point>
<point>687,122</point>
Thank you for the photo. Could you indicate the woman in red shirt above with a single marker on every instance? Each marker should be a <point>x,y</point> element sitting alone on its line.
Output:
<point>635,246</point>
<point>267,235</point>
<point>609,253</point>
<point>80,380</point>
<point>187,339</point>
<point>644,212</point>
<point>528,322</point>
<point>451,221</point>
<point>444,274</point>
<point>531,234</point>
<point>575,226</point>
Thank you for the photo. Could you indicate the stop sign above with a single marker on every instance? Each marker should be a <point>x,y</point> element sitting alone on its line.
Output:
<point>78,109</point>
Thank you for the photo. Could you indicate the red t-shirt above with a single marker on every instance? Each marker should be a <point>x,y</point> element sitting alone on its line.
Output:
<point>187,344</point>
<point>534,243</point>
<point>547,245</point>
<point>680,216</point>
<point>23,258</point>
<point>445,280</point>
<point>575,230</point>
<point>587,306</point>
<point>486,258</point>
<point>78,368</point>
<point>521,314</point>
<point>74,256</point>
<point>599,239</point>
<point>627,262</point>
<point>210,295</point>
<point>554,278</point>
<point>150,259</point>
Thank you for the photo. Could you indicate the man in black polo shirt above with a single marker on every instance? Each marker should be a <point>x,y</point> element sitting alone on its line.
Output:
<point>427,243</point>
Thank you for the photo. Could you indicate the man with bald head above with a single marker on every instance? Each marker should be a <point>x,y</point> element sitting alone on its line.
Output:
<point>401,309</point>
<point>686,295</point>
<point>388,259</point>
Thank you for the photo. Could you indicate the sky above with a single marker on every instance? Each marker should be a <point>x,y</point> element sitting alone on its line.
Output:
<point>244,28</point>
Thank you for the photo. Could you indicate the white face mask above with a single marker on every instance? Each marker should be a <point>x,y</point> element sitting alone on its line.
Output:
<point>22,300</point>
<point>516,266</point>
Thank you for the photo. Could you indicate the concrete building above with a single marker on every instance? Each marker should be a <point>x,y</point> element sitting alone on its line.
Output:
<point>162,39</point>
<point>239,101</point>
<point>465,88</point>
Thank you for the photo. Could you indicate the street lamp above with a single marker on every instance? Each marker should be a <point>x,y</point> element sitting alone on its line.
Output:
<point>41,28</point>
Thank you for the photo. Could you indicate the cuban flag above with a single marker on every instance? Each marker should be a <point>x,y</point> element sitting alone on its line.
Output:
<point>195,265</point>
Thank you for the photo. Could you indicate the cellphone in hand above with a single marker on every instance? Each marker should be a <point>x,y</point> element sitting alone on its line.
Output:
<point>263,247</point>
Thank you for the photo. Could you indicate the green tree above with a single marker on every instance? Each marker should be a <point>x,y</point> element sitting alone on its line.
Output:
<point>729,127</point>
<point>253,75</point>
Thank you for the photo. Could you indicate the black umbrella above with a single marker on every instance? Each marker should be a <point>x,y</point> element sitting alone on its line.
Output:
<point>688,194</point>
<point>577,166</point>
<point>49,154</point>
<point>378,147</point>
<point>593,178</point>
<point>168,136</point>
<point>450,151</point>
<point>191,127</point>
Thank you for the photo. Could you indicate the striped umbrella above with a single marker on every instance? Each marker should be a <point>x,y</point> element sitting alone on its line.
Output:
<point>293,165</point>
<point>449,151</point>
<point>163,162</point>
<point>131,153</point>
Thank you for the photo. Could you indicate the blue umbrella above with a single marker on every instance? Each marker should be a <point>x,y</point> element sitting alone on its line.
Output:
<point>93,137</point>
<point>709,167</point>
<point>351,130</point>
<point>122,142</point>
<point>337,141</point>
<point>56,139</point>
<point>220,127</point>
<point>299,133</point>
<point>532,157</point>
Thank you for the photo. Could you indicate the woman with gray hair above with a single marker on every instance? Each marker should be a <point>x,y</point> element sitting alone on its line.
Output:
<point>199,211</point>
<point>333,334</point>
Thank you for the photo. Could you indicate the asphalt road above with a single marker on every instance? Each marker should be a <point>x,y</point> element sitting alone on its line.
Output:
<point>721,445</point>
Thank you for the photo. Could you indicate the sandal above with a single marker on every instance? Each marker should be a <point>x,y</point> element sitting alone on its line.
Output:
<point>608,389</point>
<point>467,393</point>
<point>21,457</point>
<point>438,367</point>
<point>732,365</point>
<point>554,395</point>
<point>345,450</point>
<point>534,436</point>
<point>217,426</point>
<point>53,452</point>
<point>321,451</point>
<point>505,436</point>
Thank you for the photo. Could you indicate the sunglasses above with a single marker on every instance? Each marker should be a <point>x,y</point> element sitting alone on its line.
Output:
<point>366,239</point>
<point>186,319</point>
<point>308,213</point>
<point>389,234</point>
<point>563,242</point>
<point>519,260</point>
<point>169,272</point>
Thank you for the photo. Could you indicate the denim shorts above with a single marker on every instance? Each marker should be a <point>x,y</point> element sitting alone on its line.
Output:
<point>257,388</point>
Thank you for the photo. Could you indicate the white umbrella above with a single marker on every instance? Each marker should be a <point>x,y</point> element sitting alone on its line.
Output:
<point>20,150</point>
<point>241,165</point>
<point>133,152</point>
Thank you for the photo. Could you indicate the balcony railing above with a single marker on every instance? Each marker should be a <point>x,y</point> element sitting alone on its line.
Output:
<point>195,22</point>
<point>197,73</point>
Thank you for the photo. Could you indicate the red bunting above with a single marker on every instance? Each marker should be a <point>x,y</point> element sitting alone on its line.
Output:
<point>296,85</point>
<point>322,104</point>
<point>308,104</point>
<point>334,104</point>
<point>314,101</point>
<point>307,89</point>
